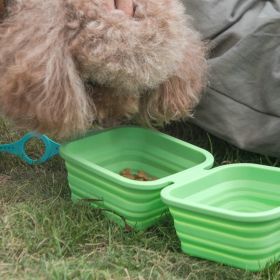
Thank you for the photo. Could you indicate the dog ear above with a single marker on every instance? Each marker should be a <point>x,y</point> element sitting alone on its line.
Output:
<point>40,88</point>
<point>176,98</point>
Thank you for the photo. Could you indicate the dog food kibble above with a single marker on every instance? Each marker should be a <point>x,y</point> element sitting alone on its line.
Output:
<point>125,172</point>
<point>139,176</point>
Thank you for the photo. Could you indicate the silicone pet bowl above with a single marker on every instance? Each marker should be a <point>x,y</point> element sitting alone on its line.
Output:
<point>230,214</point>
<point>94,163</point>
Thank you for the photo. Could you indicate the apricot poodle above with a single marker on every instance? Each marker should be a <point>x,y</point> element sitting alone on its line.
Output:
<point>67,65</point>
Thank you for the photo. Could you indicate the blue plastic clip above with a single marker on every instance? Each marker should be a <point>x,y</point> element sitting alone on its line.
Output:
<point>18,148</point>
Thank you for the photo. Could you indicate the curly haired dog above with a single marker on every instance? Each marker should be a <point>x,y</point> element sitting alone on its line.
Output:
<point>68,64</point>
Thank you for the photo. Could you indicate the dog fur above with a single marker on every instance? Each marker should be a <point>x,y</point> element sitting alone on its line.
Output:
<point>66,65</point>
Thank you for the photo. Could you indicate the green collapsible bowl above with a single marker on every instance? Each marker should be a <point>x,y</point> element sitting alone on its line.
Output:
<point>94,163</point>
<point>230,214</point>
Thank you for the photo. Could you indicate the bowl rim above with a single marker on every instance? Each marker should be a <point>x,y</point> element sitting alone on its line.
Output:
<point>132,184</point>
<point>207,210</point>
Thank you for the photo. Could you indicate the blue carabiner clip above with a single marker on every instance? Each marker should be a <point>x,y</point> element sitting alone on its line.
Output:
<point>18,148</point>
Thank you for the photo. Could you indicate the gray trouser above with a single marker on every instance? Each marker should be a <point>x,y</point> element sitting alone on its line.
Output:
<point>242,100</point>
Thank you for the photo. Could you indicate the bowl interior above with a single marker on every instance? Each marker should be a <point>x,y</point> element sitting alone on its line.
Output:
<point>240,189</point>
<point>157,154</point>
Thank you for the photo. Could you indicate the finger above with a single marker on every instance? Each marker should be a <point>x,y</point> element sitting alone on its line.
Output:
<point>126,6</point>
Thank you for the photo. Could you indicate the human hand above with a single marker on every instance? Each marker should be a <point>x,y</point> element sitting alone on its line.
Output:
<point>125,5</point>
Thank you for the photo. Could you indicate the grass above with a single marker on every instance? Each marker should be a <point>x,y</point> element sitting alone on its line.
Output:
<point>44,236</point>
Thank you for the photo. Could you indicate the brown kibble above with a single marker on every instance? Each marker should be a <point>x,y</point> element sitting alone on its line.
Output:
<point>142,175</point>
<point>139,176</point>
<point>126,172</point>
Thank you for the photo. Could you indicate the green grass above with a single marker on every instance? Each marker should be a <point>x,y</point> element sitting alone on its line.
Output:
<point>44,236</point>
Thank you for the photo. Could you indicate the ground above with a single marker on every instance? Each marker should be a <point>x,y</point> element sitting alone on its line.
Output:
<point>45,236</point>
